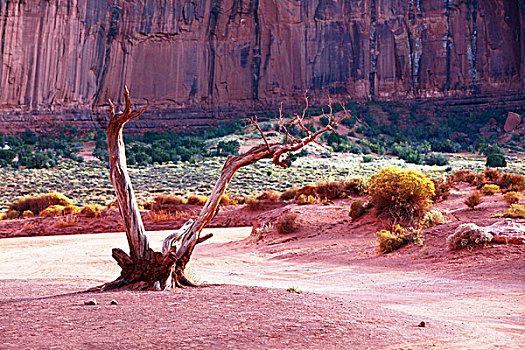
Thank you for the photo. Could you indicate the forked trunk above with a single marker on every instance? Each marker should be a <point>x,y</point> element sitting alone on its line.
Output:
<point>144,268</point>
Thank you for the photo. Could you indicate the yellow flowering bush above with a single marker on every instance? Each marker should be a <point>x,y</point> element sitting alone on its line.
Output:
<point>490,190</point>
<point>403,194</point>
<point>388,241</point>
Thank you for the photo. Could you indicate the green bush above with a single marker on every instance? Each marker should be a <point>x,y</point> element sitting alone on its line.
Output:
<point>436,159</point>
<point>496,161</point>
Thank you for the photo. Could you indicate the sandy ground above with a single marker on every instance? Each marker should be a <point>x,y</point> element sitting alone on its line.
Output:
<point>344,306</point>
<point>351,297</point>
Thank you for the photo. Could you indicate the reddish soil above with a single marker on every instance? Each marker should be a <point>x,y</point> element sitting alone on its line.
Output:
<point>353,298</point>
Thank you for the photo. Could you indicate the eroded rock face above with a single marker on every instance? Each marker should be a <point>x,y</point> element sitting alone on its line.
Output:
<point>205,57</point>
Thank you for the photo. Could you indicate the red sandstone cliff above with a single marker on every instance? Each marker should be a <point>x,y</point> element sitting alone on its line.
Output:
<point>190,57</point>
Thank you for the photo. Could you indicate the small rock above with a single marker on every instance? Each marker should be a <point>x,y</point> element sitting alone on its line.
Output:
<point>114,302</point>
<point>422,324</point>
<point>90,301</point>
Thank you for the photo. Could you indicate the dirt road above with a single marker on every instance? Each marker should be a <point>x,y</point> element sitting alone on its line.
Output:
<point>346,303</point>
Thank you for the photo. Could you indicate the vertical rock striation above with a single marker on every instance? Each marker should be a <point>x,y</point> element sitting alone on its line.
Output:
<point>192,58</point>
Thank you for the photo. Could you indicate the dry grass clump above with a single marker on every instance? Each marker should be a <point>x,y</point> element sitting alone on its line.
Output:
<point>169,199</point>
<point>404,195</point>
<point>432,218</point>
<point>12,214</point>
<point>357,209</point>
<point>59,210</point>
<point>160,215</point>
<point>490,175</point>
<point>28,214</point>
<point>226,200</point>
<point>308,190</point>
<point>269,195</point>
<point>441,189</point>
<point>468,234</point>
<point>252,203</point>
<point>304,199</point>
<point>28,227</point>
<point>67,222</point>
<point>512,197</point>
<point>197,200</point>
<point>288,194</point>
<point>512,182</point>
<point>37,204</point>
<point>473,199</point>
<point>92,210</point>
<point>490,190</point>
<point>356,186</point>
<point>463,175</point>
<point>287,223</point>
<point>331,190</point>
<point>516,211</point>
<point>389,241</point>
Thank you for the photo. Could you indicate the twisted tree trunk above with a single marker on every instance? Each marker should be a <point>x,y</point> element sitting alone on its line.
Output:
<point>144,268</point>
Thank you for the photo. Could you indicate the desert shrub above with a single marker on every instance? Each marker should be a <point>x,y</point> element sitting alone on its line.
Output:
<point>287,223</point>
<point>356,186</point>
<point>432,218</point>
<point>331,190</point>
<point>357,209</point>
<point>238,199</point>
<point>368,159</point>
<point>304,199</point>
<point>225,148</point>
<point>473,199</point>
<point>59,210</point>
<point>512,197</point>
<point>288,194</point>
<point>403,194</point>
<point>160,215</point>
<point>463,175</point>
<point>490,190</point>
<point>12,214</point>
<point>171,199</point>
<point>491,175</point>
<point>512,182</point>
<point>38,203</point>
<point>67,222</point>
<point>269,195</point>
<point>466,235</point>
<point>308,190</point>
<point>197,200</point>
<point>28,214</point>
<point>441,190</point>
<point>516,211</point>
<point>496,161</point>
<point>389,241</point>
<point>491,149</point>
<point>436,159</point>
<point>92,210</point>
<point>252,203</point>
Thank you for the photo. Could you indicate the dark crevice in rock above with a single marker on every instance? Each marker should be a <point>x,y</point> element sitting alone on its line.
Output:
<point>472,55</point>
<point>448,46</point>
<point>5,17</point>
<point>110,36</point>
<point>373,55</point>
<point>256,52</point>
<point>212,38</point>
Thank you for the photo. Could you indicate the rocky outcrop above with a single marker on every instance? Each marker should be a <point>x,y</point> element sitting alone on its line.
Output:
<point>212,58</point>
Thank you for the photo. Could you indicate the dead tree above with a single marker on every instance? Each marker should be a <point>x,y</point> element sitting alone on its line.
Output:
<point>144,268</point>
